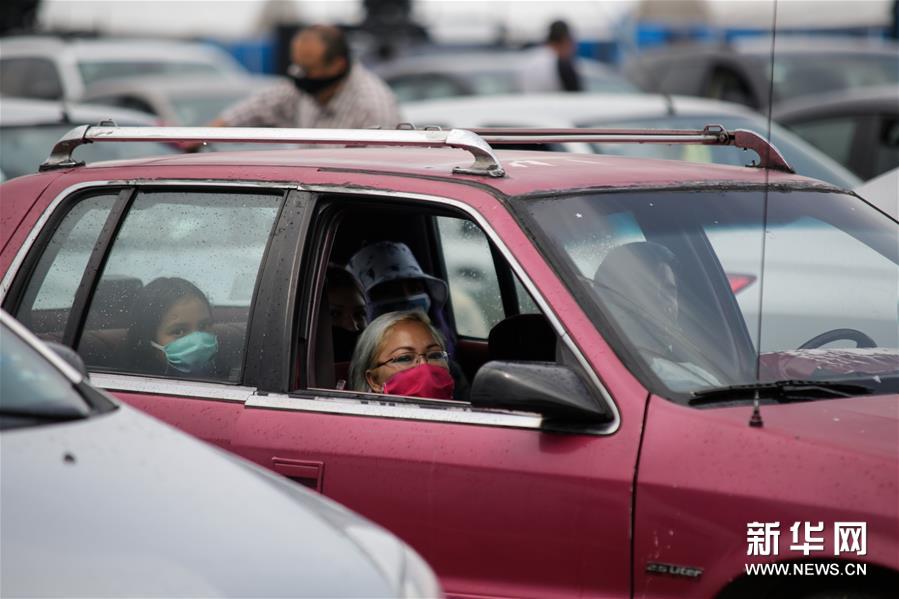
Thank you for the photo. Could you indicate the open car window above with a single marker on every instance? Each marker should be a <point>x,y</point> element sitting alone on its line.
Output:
<point>475,303</point>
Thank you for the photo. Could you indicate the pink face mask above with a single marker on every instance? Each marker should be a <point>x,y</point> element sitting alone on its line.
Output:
<point>424,380</point>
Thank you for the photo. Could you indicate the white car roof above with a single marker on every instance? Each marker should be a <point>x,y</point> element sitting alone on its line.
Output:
<point>557,109</point>
<point>120,49</point>
<point>27,111</point>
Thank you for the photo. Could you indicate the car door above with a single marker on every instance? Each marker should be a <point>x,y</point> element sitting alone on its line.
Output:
<point>111,262</point>
<point>499,502</point>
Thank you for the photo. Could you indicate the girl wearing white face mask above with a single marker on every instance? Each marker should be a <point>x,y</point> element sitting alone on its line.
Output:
<point>171,330</point>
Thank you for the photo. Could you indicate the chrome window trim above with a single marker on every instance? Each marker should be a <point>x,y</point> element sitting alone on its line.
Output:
<point>146,383</point>
<point>452,413</point>
<point>173,387</point>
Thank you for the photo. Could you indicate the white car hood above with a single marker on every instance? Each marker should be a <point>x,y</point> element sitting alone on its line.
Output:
<point>120,504</point>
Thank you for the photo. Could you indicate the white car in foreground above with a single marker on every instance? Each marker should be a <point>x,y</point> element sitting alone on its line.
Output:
<point>100,500</point>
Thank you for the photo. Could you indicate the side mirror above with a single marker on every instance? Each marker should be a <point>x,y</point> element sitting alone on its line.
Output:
<point>548,388</point>
<point>68,354</point>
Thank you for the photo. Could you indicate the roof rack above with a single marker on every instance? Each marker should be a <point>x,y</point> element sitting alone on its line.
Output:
<point>714,135</point>
<point>485,161</point>
<point>478,142</point>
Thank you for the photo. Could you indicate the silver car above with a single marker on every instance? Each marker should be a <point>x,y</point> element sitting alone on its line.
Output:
<point>101,500</point>
<point>53,68</point>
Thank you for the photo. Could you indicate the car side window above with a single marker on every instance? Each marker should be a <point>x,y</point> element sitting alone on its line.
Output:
<point>174,295</point>
<point>385,262</point>
<point>30,77</point>
<point>50,292</point>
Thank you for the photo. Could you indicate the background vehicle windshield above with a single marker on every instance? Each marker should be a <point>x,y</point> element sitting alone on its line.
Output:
<point>804,158</point>
<point>798,75</point>
<point>675,280</point>
<point>30,386</point>
<point>23,149</point>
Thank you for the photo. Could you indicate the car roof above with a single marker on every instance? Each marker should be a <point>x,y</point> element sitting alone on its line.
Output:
<point>561,109</point>
<point>814,44</point>
<point>114,49</point>
<point>176,85</point>
<point>467,61</point>
<point>16,112</point>
<point>526,171</point>
<point>876,99</point>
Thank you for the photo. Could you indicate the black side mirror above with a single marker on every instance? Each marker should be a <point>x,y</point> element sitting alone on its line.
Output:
<point>554,391</point>
<point>68,354</point>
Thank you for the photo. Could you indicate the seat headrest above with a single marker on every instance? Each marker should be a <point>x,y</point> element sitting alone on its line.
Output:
<point>523,337</point>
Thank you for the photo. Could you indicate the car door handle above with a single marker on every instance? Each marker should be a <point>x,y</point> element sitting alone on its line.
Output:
<point>308,473</point>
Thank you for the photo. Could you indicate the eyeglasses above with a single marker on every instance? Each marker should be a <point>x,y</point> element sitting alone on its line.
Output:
<point>403,361</point>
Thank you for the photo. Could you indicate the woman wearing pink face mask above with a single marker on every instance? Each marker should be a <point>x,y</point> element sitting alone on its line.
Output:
<point>400,353</point>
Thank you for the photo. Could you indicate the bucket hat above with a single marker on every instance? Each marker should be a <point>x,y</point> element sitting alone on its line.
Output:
<point>385,261</point>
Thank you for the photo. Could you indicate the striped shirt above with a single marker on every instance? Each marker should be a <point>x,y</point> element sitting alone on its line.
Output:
<point>363,101</point>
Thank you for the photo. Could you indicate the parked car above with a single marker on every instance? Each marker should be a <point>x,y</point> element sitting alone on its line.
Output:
<point>858,128</point>
<point>57,68</point>
<point>473,73</point>
<point>101,500</point>
<point>28,126</point>
<point>630,111</point>
<point>883,192</point>
<point>741,71</point>
<point>176,100</point>
<point>608,446</point>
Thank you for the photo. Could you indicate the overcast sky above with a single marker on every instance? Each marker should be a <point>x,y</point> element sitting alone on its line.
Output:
<point>449,18</point>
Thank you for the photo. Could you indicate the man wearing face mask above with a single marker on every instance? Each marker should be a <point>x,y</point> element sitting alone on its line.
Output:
<point>327,89</point>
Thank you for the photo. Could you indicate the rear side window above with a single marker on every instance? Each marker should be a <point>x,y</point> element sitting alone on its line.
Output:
<point>30,78</point>
<point>175,293</point>
<point>50,294</point>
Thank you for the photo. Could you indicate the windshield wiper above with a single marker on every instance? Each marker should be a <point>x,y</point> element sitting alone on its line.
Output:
<point>56,415</point>
<point>780,391</point>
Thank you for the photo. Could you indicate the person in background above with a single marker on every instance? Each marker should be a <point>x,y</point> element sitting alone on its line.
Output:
<point>170,331</point>
<point>327,89</point>
<point>552,65</point>
<point>400,353</point>
<point>346,304</point>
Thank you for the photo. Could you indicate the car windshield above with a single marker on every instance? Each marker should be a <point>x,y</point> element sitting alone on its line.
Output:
<point>804,158</point>
<point>194,111</point>
<point>93,71</point>
<point>23,149</point>
<point>30,388</point>
<point>680,283</point>
<point>800,75</point>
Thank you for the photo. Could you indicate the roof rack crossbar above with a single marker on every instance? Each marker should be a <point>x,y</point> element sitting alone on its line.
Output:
<point>716,135</point>
<point>485,161</point>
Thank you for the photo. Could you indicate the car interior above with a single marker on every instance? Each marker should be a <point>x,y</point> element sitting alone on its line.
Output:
<point>440,240</point>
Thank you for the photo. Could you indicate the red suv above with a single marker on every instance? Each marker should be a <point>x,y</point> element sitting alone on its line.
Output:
<point>673,379</point>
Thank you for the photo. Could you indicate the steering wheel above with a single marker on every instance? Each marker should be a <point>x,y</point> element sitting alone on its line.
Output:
<point>861,339</point>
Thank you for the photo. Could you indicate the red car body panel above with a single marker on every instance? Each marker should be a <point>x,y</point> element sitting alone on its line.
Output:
<point>705,474</point>
<point>507,512</point>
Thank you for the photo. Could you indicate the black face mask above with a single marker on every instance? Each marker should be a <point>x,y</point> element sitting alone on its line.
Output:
<point>312,86</point>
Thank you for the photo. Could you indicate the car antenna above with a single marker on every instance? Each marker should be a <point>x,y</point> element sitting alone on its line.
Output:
<point>755,420</point>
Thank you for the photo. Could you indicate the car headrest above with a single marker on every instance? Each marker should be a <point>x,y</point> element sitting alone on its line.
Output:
<point>523,337</point>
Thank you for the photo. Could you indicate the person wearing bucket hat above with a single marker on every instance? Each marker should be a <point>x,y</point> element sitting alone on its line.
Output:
<point>394,281</point>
